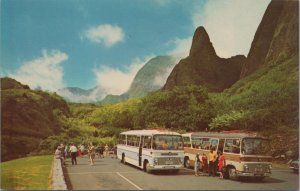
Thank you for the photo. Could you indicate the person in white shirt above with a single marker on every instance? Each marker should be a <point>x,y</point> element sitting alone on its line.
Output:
<point>73,150</point>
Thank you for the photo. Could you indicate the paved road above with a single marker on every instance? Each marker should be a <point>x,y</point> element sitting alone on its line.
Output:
<point>110,174</point>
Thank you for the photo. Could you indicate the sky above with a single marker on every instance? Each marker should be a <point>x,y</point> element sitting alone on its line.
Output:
<point>52,44</point>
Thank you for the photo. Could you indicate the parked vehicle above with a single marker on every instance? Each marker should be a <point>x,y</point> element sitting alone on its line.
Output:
<point>151,149</point>
<point>294,165</point>
<point>246,154</point>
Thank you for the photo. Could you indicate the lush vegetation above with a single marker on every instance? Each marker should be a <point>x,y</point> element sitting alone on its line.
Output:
<point>30,173</point>
<point>27,117</point>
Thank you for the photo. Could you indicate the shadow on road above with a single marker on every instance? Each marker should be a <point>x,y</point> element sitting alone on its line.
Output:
<point>266,180</point>
<point>67,179</point>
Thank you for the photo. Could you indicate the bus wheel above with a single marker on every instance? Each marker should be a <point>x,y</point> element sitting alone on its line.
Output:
<point>186,162</point>
<point>231,173</point>
<point>147,167</point>
<point>123,159</point>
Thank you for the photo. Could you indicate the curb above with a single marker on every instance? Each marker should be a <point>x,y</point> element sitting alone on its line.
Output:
<point>58,179</point>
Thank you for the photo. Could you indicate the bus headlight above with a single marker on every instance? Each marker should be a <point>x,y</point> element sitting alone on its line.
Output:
<point>182,160</point>
<point>246,168</point>
<point>270,166</point>
<point>155,161</point>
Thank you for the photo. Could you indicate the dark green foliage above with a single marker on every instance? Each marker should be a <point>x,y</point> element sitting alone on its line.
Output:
<point>267,99</point>
<point>27,117</point>
<point>185,107</point>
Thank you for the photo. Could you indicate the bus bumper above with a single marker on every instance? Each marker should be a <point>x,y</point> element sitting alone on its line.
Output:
<point>251,174</point>
<point>171,167</point>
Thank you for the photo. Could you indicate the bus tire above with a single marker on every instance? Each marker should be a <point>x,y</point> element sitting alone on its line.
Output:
<point>123,159</point>
<point>231,173</point>
<point>147,167</point>
<point>186,162</point>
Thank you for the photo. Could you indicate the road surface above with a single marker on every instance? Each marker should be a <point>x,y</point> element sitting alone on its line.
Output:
<point>110,174</point>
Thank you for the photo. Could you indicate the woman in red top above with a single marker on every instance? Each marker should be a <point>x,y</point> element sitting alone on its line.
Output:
<point>204,163</point>
<point>221,164</point>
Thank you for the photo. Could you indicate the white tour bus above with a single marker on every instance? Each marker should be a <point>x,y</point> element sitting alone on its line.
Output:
<point>246,154</point>
<point>151,149</point>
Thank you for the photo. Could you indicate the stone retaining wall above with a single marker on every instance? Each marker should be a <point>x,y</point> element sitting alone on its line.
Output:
<point>58,179</point>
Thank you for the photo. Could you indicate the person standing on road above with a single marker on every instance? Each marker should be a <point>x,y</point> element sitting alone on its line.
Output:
<point>106,150</point>
<point>197,164</point>
<point>221,164</point>
<point>73,150</point>
<point>82,150</point>
<point>204,163</point>
<point>101,151</point>
<point>92,150</point>
<point>66,152</point>
<point>211,162</point>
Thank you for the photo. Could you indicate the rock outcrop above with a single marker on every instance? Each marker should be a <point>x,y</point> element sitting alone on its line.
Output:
<point>276,38</point>
<point>203,66</point>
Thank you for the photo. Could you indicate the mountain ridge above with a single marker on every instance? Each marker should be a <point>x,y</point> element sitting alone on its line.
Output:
<point>204,67</point>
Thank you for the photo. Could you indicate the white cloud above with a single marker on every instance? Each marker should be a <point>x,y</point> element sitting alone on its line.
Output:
<point>160,80</point>
<point>95,95</point>
<point>106,34</point>
<point>231,24</point>
<point>45,71</point>
<point>115,81</point>
<point>182,47</point>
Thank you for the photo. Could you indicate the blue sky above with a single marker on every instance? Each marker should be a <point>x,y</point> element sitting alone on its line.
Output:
<point>83,43</point>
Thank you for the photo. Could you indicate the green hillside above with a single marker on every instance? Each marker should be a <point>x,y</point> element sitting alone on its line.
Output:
<point>27,117</point>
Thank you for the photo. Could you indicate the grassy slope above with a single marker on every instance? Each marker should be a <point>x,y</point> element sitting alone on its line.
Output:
<point>30,173</point>
<point>269,99</point>
<point>27,117</point>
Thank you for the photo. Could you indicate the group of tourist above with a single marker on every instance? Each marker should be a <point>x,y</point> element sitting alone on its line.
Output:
<point>63,152</point>
<point>212,164</point>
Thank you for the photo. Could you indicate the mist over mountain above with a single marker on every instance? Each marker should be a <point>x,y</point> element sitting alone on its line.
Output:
<point>151,77</point>
<point>79,95</point>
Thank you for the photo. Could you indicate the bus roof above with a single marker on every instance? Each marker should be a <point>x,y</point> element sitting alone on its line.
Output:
<point>227,134</point>
<point>149,132</point>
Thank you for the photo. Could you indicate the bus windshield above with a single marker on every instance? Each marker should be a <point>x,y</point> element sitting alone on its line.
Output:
<point>255,146</point>
<point>167,142</point>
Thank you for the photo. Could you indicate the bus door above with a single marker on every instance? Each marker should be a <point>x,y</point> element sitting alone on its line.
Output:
<point>141,150</point>
<point>221,145</point>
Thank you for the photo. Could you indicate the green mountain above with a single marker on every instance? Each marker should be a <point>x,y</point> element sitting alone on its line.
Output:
<point>276,38</point>
<point>266,99</point>
<point>151,77</point>
<point>203,66</point>
<point>27,117</point>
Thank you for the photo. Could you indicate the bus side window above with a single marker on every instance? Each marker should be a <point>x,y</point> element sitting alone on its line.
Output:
<point>232,146</point>
<point>147,142</point>
<point>187,141</point>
